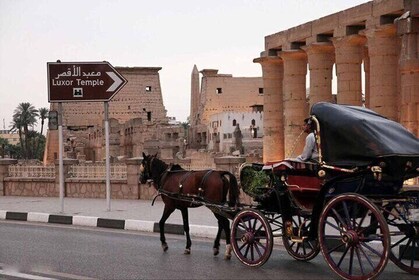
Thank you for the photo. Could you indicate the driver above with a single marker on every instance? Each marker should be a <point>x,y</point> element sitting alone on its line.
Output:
<point>310,152</point>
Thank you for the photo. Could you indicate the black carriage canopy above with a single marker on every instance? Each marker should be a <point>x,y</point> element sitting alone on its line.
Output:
<point>356,136</point>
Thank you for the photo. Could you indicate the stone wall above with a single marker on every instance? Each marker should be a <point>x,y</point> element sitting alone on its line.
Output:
<point>42,187</point>
<point>128,188</point>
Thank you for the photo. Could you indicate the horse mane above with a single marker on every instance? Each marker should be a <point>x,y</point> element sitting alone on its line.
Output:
<point>175,167</point>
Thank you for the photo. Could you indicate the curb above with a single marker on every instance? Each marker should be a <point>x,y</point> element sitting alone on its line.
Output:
<point>129,224</point>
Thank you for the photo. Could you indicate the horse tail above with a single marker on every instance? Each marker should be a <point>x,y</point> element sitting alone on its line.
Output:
<point>233,190</point>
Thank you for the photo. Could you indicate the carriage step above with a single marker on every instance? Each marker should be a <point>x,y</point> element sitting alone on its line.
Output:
<point>297,239</point>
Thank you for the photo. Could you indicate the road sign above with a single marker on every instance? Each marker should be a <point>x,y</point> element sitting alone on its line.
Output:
<point>83,81</point>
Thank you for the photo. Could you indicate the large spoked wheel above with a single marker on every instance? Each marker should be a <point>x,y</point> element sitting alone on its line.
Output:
<point>404,231</point>
<point>296,239</point>
<point>251,238</point>
<point>354,237</point>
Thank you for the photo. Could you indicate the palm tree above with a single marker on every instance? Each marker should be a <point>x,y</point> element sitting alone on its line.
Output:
<point>25,115</point>
<point>43,114</point>
<point>16,125</point>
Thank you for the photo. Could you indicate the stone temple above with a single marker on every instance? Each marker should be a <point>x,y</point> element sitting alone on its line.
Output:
<point>377,41</point>
<point>370,52</point>
<point>137,119</point>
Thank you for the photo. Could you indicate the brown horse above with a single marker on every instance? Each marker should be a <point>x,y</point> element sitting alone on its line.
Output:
<point>182,189</point>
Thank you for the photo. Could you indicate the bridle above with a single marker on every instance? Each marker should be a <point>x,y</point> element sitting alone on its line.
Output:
<point>146,169</point>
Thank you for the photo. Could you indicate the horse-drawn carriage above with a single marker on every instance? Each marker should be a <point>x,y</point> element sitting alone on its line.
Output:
<point>351,204</point>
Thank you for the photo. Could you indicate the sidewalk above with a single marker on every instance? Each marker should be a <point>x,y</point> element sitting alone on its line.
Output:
<point>124,214</point>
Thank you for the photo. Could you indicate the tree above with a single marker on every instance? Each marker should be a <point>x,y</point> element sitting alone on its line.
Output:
<point>43,114</point>
<point>37,141</point>
<point>25,116</point>
<point>3,144</point>
<point>10,150</point>
<point>16,125</point>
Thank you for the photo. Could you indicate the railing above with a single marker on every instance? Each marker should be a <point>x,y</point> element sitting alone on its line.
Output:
<point>32,171</point>
<point>97,171</point>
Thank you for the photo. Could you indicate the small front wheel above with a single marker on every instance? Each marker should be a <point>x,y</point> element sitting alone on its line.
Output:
<point>296,238</point>
<point>251,238</point>
<point>354,237</point>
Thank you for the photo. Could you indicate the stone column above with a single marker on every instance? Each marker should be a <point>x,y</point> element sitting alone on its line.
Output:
<point>408,30</point>
<point>383,89</point>
<point>349,53</point>
<point>133,175</point>
<point>273,123</point>
<point>367,93</point>
<point>4,172</point>
<point>321,57</point>
<point>295,99</point>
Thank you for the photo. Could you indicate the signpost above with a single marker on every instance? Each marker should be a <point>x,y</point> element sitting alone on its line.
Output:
<point>83,81</point>
<point>78,82</point>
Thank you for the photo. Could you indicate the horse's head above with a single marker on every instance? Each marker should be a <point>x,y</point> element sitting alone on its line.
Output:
<point>146,175</point>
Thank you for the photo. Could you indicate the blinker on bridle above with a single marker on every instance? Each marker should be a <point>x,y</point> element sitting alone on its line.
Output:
<point>147,169</point>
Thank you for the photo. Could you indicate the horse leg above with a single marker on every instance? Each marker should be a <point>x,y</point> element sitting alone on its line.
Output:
<point>216,248</point>
<point>224,224</point>
<point>166,214</point>
<point>226,227</point>
<point>185,219</point>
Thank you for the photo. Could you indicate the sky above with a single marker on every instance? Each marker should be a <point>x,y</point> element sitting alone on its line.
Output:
<point>175,35</point>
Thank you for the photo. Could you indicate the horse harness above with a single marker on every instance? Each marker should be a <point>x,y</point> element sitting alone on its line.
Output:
<point>201,188</point>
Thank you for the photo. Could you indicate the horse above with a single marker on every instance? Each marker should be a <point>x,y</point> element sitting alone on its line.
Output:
<point>182,189</point>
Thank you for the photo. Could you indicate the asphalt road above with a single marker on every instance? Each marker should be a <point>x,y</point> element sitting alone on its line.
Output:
<point>39,251</point>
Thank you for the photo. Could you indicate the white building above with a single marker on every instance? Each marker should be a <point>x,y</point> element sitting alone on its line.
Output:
<point>222,126</point>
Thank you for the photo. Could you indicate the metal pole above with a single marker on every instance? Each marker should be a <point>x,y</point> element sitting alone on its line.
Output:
<point>60,155</point>
<point>108,165</point>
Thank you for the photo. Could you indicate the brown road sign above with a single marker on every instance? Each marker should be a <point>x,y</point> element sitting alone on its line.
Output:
<point>83,81</point>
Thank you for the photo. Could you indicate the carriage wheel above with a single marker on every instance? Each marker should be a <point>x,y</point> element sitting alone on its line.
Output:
<point>354,237</point>
<point>296,241</point>
<point>251,238</point>
<point>404,232</point>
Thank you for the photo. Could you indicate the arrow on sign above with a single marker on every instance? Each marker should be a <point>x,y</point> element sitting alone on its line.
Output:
<point>116,83</point>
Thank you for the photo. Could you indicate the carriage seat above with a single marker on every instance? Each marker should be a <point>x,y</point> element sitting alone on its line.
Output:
<point>300,176</point>
<point>301,179</point>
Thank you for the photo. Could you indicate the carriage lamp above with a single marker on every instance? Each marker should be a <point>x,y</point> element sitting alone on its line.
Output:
<point>321,173</point>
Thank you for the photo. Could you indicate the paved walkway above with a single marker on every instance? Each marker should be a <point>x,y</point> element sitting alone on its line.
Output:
<point>124,214</point>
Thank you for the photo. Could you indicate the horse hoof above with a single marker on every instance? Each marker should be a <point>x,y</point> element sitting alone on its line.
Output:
<point>227,255</point>
<point>187,252</point>
<point>165,247</point>
<point>215,251</point>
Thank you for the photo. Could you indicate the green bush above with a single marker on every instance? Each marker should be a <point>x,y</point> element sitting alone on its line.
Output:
<point>252,181</point>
